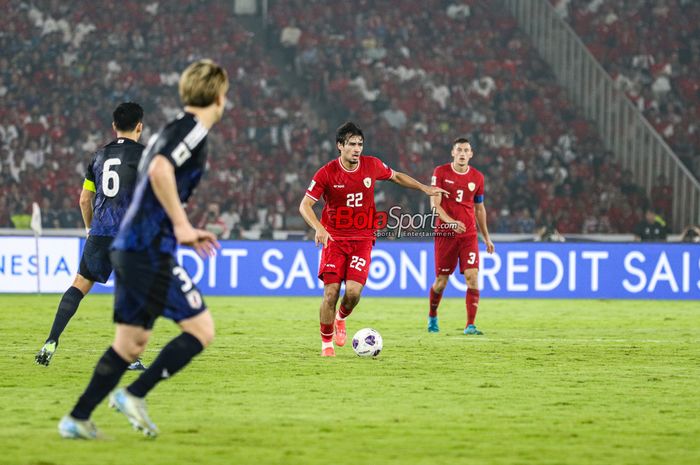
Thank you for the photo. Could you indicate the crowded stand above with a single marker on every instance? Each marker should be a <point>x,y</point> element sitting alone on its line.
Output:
<point>67,65</point>
<point>470,71</point>
<point>652,51</point>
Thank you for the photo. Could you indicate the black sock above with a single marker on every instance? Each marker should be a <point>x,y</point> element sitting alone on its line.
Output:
<point>66,309</point>
<point>174,356</point>
<point>106,376</point>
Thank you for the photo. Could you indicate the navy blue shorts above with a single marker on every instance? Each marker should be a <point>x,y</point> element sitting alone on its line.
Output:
<point>150,284</point>
<point>94,263</point>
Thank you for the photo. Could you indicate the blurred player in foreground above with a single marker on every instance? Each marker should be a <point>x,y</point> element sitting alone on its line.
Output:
<point>456,236</point>
<point>347,186</point>
<point>149,282</point>
<point>109,185</point>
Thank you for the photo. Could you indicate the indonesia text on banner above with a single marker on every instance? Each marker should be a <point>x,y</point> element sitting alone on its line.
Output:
<point>57,263</point>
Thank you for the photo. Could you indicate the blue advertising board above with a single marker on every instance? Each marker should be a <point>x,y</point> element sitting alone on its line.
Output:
<point>406,269</point>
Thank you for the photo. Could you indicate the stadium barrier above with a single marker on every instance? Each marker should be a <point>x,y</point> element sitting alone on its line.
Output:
<point>398,269</point>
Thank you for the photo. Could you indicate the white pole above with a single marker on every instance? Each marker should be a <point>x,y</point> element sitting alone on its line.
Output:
<point>36,227</point>
<point>38,264</point>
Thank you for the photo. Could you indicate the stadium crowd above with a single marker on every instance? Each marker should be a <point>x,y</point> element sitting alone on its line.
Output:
<point>414,78</point>
<point>651,48</point>
<point>418,75</point>
<point>67,64</point>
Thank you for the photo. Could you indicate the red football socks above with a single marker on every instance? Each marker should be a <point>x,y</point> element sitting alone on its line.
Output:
<point>434,302</point>
<point>472,305</point>
<point>343,312</point>
<point>327,332</point>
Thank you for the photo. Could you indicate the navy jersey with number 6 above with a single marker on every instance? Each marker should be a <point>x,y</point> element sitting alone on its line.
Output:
<point>111,175</point>
<point>146,225</point>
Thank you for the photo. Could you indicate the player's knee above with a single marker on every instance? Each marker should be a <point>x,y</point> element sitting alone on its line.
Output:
<point>129,350</point>
<point>138,348</point>
<point>472,281</point>
<point>201,327</point>
<point>209,334</point>
<point>331,293</point>
<point>210,338</point>
<point>440,284</point>
<point>352,297</point>
<point>82,283</point>
<point>205,336</point>
<point>353,290</point>
<point>130,343</point>
<point>330,299</point>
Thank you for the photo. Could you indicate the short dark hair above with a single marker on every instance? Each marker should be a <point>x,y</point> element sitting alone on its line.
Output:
<point>127,115</point>
<point>346,131</point>
<point>460,140</point>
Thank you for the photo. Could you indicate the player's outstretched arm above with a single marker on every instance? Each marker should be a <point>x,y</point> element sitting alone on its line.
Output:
<point>307,212</point>
<point>161,173</point>
<point>480,211</point>
<point>86,199</point>
<point>404,180</point>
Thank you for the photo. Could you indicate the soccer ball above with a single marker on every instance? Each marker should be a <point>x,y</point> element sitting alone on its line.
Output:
<point>367,342</point>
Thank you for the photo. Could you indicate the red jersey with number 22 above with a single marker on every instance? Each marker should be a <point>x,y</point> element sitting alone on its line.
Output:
<point>353,191</point>
<point>466,189</point>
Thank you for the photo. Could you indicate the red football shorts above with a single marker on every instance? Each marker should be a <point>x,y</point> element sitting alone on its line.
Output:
<point>345,261</point>
<point>450,249</point>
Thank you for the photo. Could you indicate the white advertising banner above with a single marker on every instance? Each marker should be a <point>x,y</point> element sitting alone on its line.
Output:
<point>56,266</point>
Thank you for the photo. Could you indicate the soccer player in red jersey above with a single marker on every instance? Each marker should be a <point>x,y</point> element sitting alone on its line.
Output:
<point>347,226</point>
<point>456,233</point>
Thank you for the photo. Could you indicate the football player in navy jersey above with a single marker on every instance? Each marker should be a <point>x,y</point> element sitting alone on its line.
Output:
<point>149,282</point>
<point>107,190</point>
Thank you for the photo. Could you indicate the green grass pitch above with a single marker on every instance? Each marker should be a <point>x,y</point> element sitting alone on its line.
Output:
<point>551,382</point>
